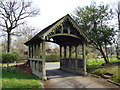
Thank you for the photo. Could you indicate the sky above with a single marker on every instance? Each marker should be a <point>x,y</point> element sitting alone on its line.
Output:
<point>52,10</point>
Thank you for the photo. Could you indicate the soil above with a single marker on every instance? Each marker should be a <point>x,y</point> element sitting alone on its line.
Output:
<point>23,68</point>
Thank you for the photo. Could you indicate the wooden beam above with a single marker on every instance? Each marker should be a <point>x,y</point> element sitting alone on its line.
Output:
<point>61,28</point>
<point>76,51</point>
<point>64,34</point>
<point>68,30</point>
<point>43,61</point>
<point>29,51</point>
<point>70,51</point>
<point>32,51</point>
<point>60,51</point>
<point>84,58</point>
<point>64,51</point>
<point>39,50</point>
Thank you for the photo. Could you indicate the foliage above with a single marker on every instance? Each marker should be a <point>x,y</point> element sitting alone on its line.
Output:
<point>94,21</point>
<point>52,57</point>
<point>9,57</point>
<point>55,57</point>
<point>11,78</point>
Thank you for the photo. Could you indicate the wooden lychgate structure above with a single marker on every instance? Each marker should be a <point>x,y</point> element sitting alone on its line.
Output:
<point>67,34</point>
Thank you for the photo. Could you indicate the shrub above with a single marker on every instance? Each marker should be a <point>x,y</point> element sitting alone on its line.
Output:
<point>52,57</point>
<point>9,57</point>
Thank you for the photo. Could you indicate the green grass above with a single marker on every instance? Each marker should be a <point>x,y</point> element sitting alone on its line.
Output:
<point>11,63</point>
<point>12,78</point>
<point>95,66</point>
<point>112,70</point>
<point>98,63</point>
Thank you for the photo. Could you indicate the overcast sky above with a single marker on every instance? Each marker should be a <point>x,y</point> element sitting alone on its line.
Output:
<point>52,10</point>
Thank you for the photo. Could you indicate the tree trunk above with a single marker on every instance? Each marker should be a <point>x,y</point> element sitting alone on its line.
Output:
<point>117,52</point>
<point>8,42</point>
<point>7,64</point>
<point>104,56</point>
<point>106,52</point>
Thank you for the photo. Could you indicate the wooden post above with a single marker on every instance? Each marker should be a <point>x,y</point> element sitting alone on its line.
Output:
<point>68,30</point>
<point>29,51</point>
<point>64,51</point>
<point>32,65</point>
<point>43,62</point>
<point>84,58</point>
<point>39,51</point>
<point>70,52</point>
<point>76,51</point>
<point>32,51</point>
<point>60,51</point>
<point>61,28</point>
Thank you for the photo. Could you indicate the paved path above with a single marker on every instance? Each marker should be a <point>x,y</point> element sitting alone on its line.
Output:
<point>50,66</point>
<point>60,79</point>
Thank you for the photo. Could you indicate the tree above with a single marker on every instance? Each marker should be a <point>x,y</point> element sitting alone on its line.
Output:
<point>27,33</point>
<point>116,7</point>
<point>94,20</point>
<point>12,14</point>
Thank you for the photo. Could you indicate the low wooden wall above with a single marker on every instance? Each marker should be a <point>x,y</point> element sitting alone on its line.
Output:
<point>36,66</point>
<point>72,65</point>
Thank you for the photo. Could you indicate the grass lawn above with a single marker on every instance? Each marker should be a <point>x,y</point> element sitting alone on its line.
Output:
<point>12,78</point>
<point>112,70</point>
<point>97,63</point>
<point>97,68</point>
<point>11,63</point>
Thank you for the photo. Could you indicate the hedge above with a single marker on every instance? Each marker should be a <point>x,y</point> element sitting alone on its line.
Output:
<point>9,57</point>
<point>52,57</point>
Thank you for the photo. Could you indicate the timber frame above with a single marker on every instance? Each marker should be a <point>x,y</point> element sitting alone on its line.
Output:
<point>67,34</point>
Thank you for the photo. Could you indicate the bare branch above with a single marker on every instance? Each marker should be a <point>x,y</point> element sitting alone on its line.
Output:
<point>12,14</point>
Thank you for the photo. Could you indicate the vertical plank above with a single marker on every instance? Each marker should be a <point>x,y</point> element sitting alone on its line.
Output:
<point>68,30</point>
<point>32,51</point>
<point>61,28</point>
<point>64,51</point>
<point>70,51</point>
<point>60,51</point>
<point>39,50</point>
<point>29,51</point>
<point>76,51</point>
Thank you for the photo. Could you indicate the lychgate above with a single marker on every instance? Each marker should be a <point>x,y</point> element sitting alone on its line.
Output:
<point>67,34</point>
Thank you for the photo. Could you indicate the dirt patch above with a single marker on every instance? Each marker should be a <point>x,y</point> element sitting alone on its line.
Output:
<point>23,68</point>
